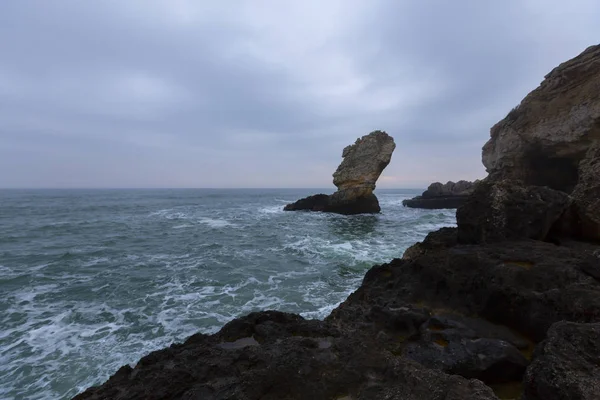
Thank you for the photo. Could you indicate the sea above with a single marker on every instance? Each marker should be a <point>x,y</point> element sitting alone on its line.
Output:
<point>91,280</point>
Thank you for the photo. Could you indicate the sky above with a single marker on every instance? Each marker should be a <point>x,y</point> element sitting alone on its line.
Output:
<point>265,93</point>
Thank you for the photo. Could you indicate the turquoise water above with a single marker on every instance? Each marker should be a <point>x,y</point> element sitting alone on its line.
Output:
<point>94,279</point>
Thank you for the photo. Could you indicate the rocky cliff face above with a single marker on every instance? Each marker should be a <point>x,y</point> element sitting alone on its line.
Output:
<point>543,139</point>
<point>549,139</point>
<point>363,162</point>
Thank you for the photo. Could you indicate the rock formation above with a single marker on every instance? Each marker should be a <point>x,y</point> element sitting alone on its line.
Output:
<point>504,306</point>
<point>355,178</point>
<point>547,139</point>
<point>506,209</point>
<point>566,364</point>
<point>438,195</point>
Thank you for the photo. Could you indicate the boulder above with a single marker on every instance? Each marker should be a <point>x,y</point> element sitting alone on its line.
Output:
<point>438,195</point>
<point>543,140</point>
<point>566,365</point>
<point>501,210</point>
<point>362,164</point>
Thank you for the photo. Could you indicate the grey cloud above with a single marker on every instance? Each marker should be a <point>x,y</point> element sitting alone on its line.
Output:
<point>186,93</point>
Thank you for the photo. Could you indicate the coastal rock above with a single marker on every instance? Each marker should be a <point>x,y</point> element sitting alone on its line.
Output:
<point>273,355</point>
<point>362,164</point>
<point>506,209</point>
<point>566,365</point>
<point>543,140</point>
<point>439,196</point>
<point>317,202</point>
<point>524,285</point>
<point>585,214</point>
<point>449,189</point>
<point>454,344</point>
<point>442,238</point>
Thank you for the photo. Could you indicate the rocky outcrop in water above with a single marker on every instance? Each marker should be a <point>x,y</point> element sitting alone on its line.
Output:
<point>362,164</point>
<point>504,306</point>
<point>438,195</point>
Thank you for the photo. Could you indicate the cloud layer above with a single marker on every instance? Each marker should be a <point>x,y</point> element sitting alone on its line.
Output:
<point>265,93</point>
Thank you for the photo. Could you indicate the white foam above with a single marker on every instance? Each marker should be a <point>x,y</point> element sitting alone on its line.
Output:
<point>169,213</point>
<point>271,210</point>
<point>95,261</point>
<point>182,226</point>
<point>215,222</point>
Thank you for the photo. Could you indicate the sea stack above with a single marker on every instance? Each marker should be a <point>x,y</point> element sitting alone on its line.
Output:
<point>355,178</point>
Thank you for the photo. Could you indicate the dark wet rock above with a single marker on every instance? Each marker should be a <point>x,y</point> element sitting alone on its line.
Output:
<point>501,210</point>
<point>439,196</point>
<point>442,238</point>
<point>337,204</point>
<point>294,359</point>
<point>436,203</point>
<point>470,347</point>
<point>525,285</point>
<point>584,216</point>
<point>317,202</point>
<point>566,365</point>
<point>362,164</point>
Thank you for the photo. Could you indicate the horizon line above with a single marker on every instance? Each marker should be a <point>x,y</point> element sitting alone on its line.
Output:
<point>189,188</point>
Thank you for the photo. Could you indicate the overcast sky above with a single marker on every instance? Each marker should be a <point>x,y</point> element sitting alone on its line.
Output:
<point>190,93</point>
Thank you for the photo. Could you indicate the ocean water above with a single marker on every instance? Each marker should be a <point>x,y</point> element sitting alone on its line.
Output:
<point>94,279</point>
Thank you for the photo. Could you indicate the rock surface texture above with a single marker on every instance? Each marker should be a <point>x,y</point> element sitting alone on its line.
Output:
<point>567,364</point>
<point>362,164</point>
<point>551,139</point>
<point>438,195</point>
<point>504,306</point>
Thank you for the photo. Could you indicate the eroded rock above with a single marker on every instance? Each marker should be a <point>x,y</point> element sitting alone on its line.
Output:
<point>294,359</point>
<point>566,365</point>
<point>439,196</point>
<point>356,177</point>
<point>542,141</point>
<point>586,198</point>
<point>501,210</point>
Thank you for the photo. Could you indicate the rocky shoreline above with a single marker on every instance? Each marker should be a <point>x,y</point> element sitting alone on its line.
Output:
<point>440,196</point>
<point>504,306</point>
